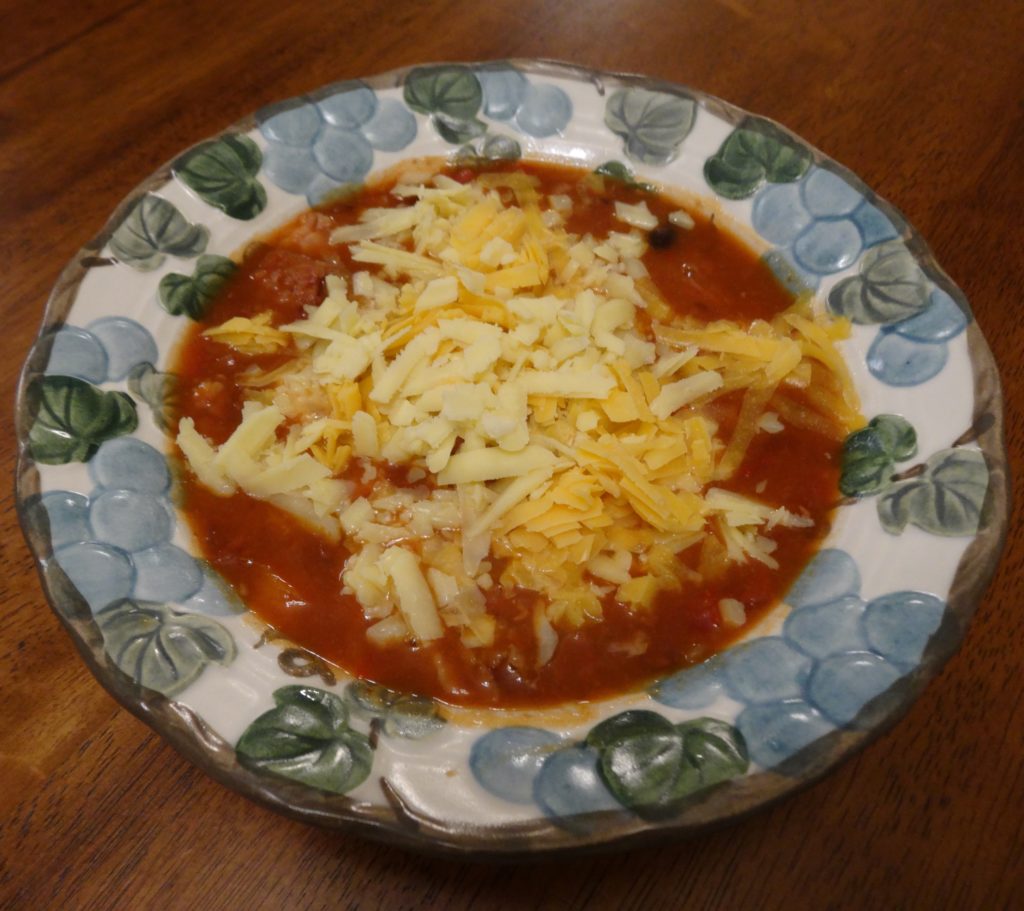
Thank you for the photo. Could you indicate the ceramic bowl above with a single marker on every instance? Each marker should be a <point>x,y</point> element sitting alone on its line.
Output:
<point>871,619</point>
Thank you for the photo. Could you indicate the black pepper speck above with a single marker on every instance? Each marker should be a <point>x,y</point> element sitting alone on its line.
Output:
<point>662,237</point>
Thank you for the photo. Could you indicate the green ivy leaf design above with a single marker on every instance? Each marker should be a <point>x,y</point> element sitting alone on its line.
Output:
<point>631,723</point>
<point>867,466</point>
<point>493,147</point>
<point>452,91</point>
<point>158,390</point>
<point>897,435</point>
<point>653,124</point>
<point>307,738</point>
<point>457,131</point>
<point>223,173</point>
<point>159,648</point>
<point>650,765</point>
<point>400,714</point>
<point>616,170</point>
<point>497,147</point>
<point>715,748</point>
<point>890,287</point>
<point>71,418</point>
<point>152,228</point>
<point>649,773</point>
<point>946,498</point>
<point>869,454</point>
<point>192,295</point>
<point>755,152</point>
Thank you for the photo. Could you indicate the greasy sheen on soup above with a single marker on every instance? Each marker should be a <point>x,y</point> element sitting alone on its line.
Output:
<point>510,434</point>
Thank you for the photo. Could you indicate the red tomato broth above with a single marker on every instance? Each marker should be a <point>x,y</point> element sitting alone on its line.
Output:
<point>290,576</point>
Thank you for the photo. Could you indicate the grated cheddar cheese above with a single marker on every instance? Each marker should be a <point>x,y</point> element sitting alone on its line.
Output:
<point>559,415</point>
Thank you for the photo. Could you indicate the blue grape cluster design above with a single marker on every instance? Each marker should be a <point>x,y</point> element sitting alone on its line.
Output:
<point>834,655</point>
<point>116,542</point>
<point>536,109</point>
<point>108,349</point>
<point>316,146</point>
<point>820,224</point>
<point>917,318</point>
<point>912,351</point>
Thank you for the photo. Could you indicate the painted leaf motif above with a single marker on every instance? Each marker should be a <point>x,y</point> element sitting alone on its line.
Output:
<point>616,170</point>
<point>158,390</point>
<point>192,295</point>
<point>496,146</point>
<point>71,418</point>
<point>653,124</point>
<point>946,499</point>
<point>223,173</point>
<point>650,765</point>
<point>642,761</point>
<point>152,228</point>
<point>649,773</point>
<point>401,714</point>
<point>159,648</point>
<point>867,465</point>
<point>890,287</point>
<point>631,723</point>
<point>456,131</point>
<point>753,153</point>
<point>453,91</point>
<point>897,435</point>
<point>869,454</point>
<point>716,749</point>
<point>307,738</point>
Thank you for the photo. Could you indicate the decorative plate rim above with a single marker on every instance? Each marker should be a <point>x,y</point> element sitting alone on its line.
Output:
<point>398,822</point>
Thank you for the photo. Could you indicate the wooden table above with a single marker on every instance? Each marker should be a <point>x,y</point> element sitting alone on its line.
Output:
<point>921,99</point>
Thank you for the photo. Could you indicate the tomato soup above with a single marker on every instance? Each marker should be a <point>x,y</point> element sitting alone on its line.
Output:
<point>562,434</point>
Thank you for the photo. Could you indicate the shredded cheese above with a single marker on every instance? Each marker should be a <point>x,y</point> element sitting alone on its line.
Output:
<point>498,354</point>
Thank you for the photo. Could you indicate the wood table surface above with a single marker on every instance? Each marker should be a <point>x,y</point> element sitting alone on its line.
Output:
<point>922,99</point>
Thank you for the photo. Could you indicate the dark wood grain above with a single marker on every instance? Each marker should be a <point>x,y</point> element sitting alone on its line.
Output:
<point>923,100</point>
